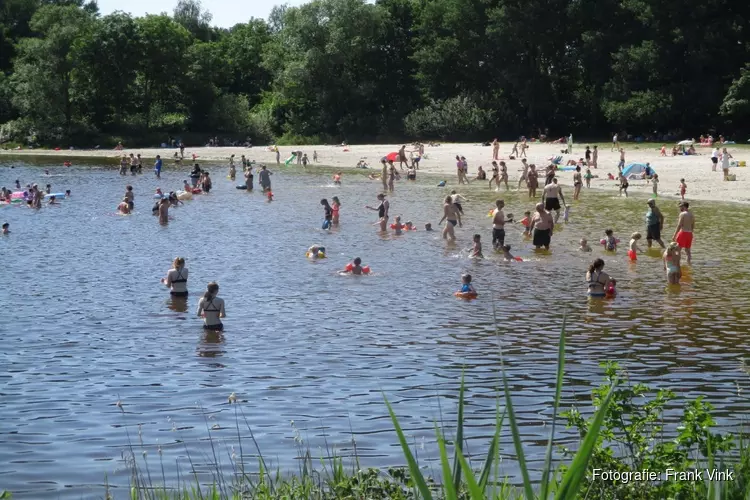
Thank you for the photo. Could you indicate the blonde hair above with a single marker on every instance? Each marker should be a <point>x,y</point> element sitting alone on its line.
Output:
<point>636,236</point>
<point>178,262</point>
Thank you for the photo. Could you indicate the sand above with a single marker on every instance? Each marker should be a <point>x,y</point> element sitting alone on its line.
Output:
<point>702,182</point>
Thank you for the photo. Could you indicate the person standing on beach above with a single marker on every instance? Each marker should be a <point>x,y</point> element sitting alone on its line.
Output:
<point>588,156</point>
<point>460,169</point>
<point>615,142</point>
<point>157,166</point>
<point>542,225</point>
<point>654,224</point>
<point>683,235</point>
<point>278,155</point>
<point>495,149</point>
<point>595,156</point>
<point>725,156</point>
<point>577,183</point>
<point>714,158</point>
<point>621,163</point>
<point>451,216</point>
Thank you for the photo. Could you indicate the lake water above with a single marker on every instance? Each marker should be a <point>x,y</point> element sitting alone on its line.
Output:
<point>86,323</point>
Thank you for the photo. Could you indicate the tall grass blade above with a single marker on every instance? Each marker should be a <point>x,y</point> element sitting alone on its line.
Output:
<point>458,446</point>
<point>492,451</point>
<point>544,488</point>
<point>413,467</point>
<point>448,487</point>
<point>475,492</point>
<point>528,490</point>
<point>571,481</point>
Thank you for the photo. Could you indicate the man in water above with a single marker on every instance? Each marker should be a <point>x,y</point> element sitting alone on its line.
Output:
<point>551,197</point>
<point>654,224</point>
<point>264,177</point>
<point>157,166</point>
<point>542,225</point>
<point>683,235</point>
<point>498,225</point>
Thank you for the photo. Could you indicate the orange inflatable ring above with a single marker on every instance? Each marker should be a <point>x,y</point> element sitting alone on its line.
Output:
<point>518,259</point>
<point>466,295</point>
<point>350,267</point>
<point>365,269</point>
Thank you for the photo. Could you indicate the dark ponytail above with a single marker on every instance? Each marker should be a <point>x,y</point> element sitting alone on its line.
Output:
<point>597,264</point>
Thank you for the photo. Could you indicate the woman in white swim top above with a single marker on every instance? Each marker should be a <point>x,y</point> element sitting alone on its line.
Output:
<point>597,279</point>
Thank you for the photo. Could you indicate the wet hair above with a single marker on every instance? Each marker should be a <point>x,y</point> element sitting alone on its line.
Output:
<point>527,212</point>
<point>324,202</point>
<point>636,236</point>
<point>578,169</point>
<point>178,262</point>
<point>498,202</point>
<point>453,192</point>
<point>608,232</point>
<point>466,278</point>
<point>477,237</point>
<point>357,261</point>
<point>129,187</point>
<point>336,200</point>
<point>448,199</point>
<point>506,248</point>
<point>685,204</point>
<point>6,225</point>
<point>682,180</point>
<point>211,290</point>
<point>597,264</point>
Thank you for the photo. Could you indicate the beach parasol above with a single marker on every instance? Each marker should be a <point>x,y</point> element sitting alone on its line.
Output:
<point>392,156</point>
<point>686,142</point>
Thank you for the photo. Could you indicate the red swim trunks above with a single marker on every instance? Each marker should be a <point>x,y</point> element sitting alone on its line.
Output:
<point>685,240</point>
<point>632,255</point>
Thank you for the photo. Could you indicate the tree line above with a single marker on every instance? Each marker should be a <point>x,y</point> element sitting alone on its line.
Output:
<point>334,70</point>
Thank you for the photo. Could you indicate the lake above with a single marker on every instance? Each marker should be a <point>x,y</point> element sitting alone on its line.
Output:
<point>87,323</point>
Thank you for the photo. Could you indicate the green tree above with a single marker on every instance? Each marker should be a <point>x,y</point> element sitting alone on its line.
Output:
<point>192,17</point>
<point>44,79</point>
<point>736,104</point>
<point>243,55</point>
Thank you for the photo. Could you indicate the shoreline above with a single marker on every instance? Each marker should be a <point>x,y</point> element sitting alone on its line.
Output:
<point>703,183</point>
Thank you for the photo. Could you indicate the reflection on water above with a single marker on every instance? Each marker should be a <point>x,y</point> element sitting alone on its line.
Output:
<point>303,343</point>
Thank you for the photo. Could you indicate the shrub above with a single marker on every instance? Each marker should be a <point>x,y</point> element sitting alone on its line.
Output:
<point>456,118</point>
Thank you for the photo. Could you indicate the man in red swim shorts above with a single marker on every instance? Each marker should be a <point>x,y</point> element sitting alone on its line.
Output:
<point>683,235</point>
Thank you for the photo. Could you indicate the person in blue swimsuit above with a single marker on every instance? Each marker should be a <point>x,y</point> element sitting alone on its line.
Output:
<point>466,286</point>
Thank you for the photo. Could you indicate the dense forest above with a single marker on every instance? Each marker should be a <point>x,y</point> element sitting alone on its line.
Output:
<point>335,70</point>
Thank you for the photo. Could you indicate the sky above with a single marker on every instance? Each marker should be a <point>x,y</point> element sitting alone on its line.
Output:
<point>226,13</point>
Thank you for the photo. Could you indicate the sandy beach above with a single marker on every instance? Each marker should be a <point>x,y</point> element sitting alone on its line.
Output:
<point>702,182</point>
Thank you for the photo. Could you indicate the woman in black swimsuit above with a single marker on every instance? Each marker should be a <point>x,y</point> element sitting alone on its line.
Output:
<point>382,210</point>
<point>211,308</point>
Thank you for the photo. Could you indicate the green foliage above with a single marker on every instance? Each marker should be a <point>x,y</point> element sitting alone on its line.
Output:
<point>458,117</point>
<point>359,70</point>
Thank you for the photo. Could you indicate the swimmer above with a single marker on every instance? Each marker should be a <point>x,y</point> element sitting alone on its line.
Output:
<point>476,251</point>
<point>397,226</point>
<point>163,211</point>
<point>124,207</point>
<point>177,278</point>
<point>610,291</point>
<point>452,217</point>
<point>498,225</point>
<point>6,228</point>
<point>206,183</point>
<point>672,257</point>
<point>211,308</point>
<point>382,210</point>
<point>356,268</point>
<point>609,242</point>
<point>159,193</point>
<point>48,189</point>
<point>186,187</point>
<point>598,281</point>
<point>507,256</point>
<point>633,247</point>
<point>337,179</point>
<point>46,172</point>
<point>336,206</point>
<point>133,164</point>
<point>316,252</point>
<point>305,161</point>
<point>232,170</point>
<point>174,200</point>
<point>466,286</point>
<point>683,189</point>
<point>428,227</point>
<point>52,201</point>
<point>67,193</point>
<point>526,223</point>
<point>373,177</point>
<point>327,214</point>
<point>130,197</point>
<point>18,184</point>
<point>409,226</point>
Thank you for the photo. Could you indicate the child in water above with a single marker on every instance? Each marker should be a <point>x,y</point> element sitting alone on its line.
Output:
<point>526,223</point>
<point>671,259</point>
<point>337,179</point>
<point>428,227</point>
<point>269,196</point>
<point>124,207</point>
<point>327,214</point>
<point>466,286</point>
<point>610,292</point>
<point>683,188</point>
<point>336,207</point>
<point>477,249</point>
<point>410,226</point>
<point>6,228</point>
<point>52,201</point>
<point>507,256</point>
<point>610,242</point>
<point>67,193</point>
<point>397,226</point>
<point>633,248</point>
<point>316,252</point>
<point>584,246</point>
<point>355,267</point>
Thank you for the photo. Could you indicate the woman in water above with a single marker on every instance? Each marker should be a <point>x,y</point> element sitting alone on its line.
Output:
<point>195,175</point>
<point>382,210</point>
<point>452,217</point>
<point>164,211</point>
<point>532,180</point>
<point>206,184</point>
<point>177,278</point>
<point>598,281</point>
<point>211,308</point>
<point>336,206</point>
<point>392,174</point>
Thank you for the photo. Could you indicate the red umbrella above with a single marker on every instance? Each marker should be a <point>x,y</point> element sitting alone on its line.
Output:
<point>393,156</point>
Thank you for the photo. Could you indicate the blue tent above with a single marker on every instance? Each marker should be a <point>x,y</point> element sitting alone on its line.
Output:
<point>637,169</point>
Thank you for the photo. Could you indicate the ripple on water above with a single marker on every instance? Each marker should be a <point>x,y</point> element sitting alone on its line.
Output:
<point>303,343</point>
